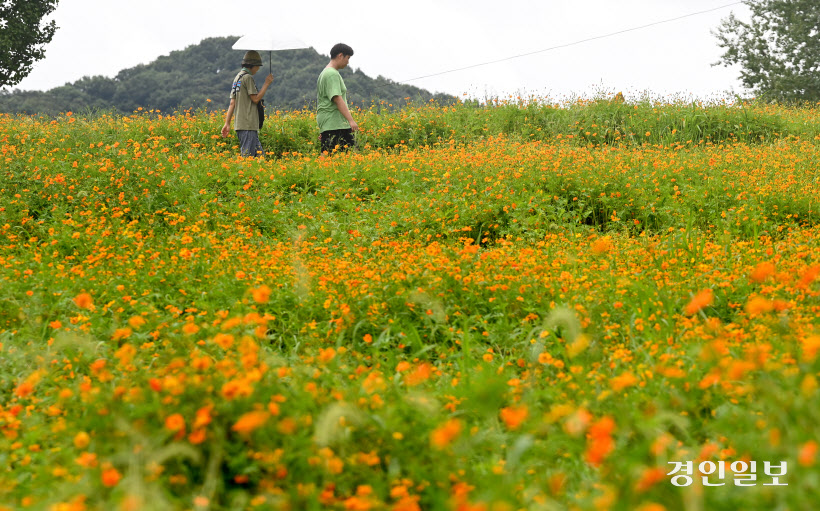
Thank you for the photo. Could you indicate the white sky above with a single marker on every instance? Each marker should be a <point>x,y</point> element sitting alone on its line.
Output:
<point>404,40</point>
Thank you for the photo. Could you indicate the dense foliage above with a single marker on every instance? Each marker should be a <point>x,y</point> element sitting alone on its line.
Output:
<point>532,308</point>
<point>778,50</point>
<point>23,35</point>
<point>200,77</point>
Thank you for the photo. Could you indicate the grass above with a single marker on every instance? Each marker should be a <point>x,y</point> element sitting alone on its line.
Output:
<point>482,308</point>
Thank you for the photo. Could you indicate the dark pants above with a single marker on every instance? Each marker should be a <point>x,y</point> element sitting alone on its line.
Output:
<point>337,140</point>
<point>249,144</point>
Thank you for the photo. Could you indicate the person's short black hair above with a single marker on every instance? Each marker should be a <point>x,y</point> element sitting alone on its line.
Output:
<point>342,48</point>
<point>248,66</point>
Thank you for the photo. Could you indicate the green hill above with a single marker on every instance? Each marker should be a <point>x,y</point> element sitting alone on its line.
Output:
<point>201,72</point>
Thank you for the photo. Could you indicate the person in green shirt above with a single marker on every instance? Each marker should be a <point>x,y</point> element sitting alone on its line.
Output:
<point>244,98</point>
<point>336,125</point>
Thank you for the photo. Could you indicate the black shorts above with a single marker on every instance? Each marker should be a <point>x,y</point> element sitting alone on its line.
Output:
<point>337,140</point>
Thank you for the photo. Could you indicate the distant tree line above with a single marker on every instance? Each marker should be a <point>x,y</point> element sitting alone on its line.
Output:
<point>188,78</point>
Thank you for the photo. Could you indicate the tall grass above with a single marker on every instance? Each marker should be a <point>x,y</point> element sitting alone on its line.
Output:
<point>584,122</point>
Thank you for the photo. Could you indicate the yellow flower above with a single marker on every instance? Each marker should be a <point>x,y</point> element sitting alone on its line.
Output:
<point>81,440</point>
<point>577,346</point>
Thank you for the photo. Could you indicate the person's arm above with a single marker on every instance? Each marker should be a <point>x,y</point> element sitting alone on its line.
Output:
<point>256,98</point>
<point>226,129</point>
<point>342,106</point>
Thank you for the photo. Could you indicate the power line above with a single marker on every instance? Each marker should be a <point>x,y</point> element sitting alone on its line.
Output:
<point>570,44</point>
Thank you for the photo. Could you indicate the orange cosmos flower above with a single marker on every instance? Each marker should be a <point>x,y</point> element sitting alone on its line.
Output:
<point>326,355</point>
<point>707,451</point>
<point>700,301</point>
<point>444,435</point>
<point>136,321</point>
<point>236,388</point>
<point>227,325</point>
<point>110,477</point>
<point>121,333</point>
<point>649,478</point>
<point>197,436</point>
<point>602,427</point>
<point>407,503</point>
<point>712,378</point>
<point>287,426</point>
<point>601,246</point>
<point>758,305</point>
<point>623,381</point>
<point>807,453</point>
<point>24,389</point>
<point>762,272</point>
<point>809,276</point>
<point>175,423</point>
<point>273,408</point>
<point>250,421</point>
<point>651,506</point>
<point>599,441</point>
<point>203,417</point>
<point>811,345</point>
<point>514,416</point>
<point>87,460</point>
<point>224,341</point>
<point>357,504</point>
<point>261,294</point>
<point>83,301</point>
<point>419,375</point>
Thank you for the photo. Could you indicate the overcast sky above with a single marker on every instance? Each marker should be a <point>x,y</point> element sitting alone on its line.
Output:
<point>403,41</point>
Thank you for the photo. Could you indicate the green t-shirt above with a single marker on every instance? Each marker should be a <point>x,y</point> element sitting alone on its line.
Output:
<point>246,116</point>
<point>328,116</point>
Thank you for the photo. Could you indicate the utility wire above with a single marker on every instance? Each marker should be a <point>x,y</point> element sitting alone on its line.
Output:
<point>569,44</point>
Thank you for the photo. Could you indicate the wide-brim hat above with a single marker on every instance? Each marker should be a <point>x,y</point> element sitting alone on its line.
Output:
<point>251,58</point>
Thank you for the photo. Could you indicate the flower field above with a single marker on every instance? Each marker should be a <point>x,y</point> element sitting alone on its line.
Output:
<point>518,306</point>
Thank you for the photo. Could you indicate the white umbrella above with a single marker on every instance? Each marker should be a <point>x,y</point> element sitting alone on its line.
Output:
<point>268,42</point>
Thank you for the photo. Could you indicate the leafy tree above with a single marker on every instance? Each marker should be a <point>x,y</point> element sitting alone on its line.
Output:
<point>778,50</point>
<point>22,37</point>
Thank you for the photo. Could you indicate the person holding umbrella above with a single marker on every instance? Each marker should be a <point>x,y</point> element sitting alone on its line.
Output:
<point>336,125</point>
<point>245,98</point>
